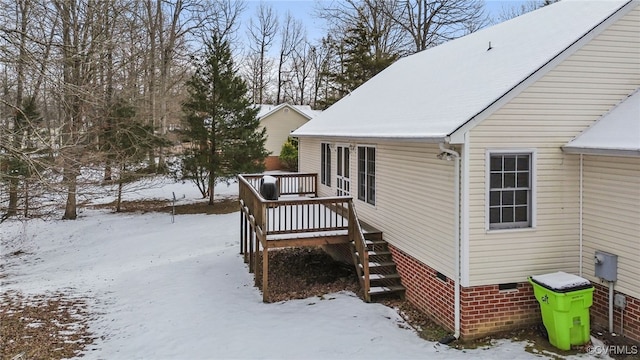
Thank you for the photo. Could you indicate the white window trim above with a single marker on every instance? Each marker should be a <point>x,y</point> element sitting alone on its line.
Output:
<point>357,175</point>
<point>534,187</point>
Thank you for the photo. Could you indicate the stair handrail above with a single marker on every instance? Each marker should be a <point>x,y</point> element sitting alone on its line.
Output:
<point>357,236</point>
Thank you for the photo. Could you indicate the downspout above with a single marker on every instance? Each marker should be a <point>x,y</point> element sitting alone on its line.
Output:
<point>456,215</point>
<point>580,214</point>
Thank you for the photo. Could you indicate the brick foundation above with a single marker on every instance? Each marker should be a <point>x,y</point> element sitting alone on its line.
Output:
<point>425,290</point>
<point>487,309</point>
<point>272,163</point>
<point>484,309</point>
<point>600,313</point>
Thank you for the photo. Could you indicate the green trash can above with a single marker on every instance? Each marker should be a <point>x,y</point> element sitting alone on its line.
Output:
<point>564,303</point>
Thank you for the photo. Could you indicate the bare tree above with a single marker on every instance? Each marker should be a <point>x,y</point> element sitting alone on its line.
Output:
<point>301,73</point>
<point>319,56</point>
<point>428,23</point>
<point>262,33</point>
<point>512,11</point>
<point>290,37</point>
<point>67,66</point>
<point>374,15</point>
<point>170,26</point>
<point>23,9</point>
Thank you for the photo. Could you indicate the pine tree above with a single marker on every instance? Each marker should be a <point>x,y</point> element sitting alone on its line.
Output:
<point>358,60</point>
<point>125,143</point>
<point>221,122</point>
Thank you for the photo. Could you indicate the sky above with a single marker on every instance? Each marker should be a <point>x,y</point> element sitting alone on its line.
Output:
<point>304,10</point>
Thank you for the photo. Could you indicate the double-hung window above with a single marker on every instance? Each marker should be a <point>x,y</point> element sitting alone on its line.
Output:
<point>510,190</point>
<point>325,164</point>
<point>367,174</point>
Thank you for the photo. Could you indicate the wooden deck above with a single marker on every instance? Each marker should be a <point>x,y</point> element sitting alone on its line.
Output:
<point>298,218</point>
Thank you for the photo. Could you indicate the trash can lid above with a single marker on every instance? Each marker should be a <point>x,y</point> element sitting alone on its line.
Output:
<point>268,179</point>
<point>561,282</point>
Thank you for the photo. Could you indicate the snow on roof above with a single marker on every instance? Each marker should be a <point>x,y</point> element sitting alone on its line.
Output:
<point>430,94</point>
<point>615,133</point>
<point>268,109</point>
<point>561,281</point>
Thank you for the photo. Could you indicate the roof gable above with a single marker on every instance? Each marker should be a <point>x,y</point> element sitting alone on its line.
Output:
<point>266,110</point>
<point>615,133</point>
<point>432,93</point>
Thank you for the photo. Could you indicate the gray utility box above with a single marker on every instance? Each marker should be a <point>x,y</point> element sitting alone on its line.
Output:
<point>606,266</point>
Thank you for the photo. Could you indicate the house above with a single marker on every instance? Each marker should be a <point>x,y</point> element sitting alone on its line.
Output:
<point>280,121</point>
<point>609,171</point>
<point>509,152</point>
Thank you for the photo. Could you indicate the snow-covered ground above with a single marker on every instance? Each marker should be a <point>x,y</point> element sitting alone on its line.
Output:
<point>164,290</point>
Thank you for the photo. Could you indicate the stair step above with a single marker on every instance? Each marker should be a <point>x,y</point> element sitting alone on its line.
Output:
<point>380,264</point>
<point>383,276</point>
<point>373,236</point>
<point>375,253</point>
<point>375,242</point>
<point>377,290</point>
<point>378,253</point>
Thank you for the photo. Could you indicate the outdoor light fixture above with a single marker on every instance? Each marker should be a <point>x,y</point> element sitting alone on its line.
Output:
<point>444,156</point>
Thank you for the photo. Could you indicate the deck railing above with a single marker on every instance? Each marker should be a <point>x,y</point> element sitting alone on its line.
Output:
<point>327,216</point>
<point>293,215</point>
<point>357,236</point>
<point>302,184</point>
<point>306,215</point>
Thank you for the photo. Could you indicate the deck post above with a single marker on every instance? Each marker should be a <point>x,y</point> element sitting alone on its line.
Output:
<point>242,225</point>
<point>252,235</point>
<point>247,233</point>
<point>256,253</point>
<point>265,273</point>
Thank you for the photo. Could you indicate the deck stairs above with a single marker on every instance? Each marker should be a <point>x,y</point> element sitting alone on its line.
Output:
<point>383,280</point>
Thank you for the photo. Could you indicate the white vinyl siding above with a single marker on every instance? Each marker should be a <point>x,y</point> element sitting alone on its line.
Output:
<point>414,202</point>
<point>309,156</point>
<point>414,198</point>
<point>544,117</point>
<point>611,217</point>
<point>279,126</point>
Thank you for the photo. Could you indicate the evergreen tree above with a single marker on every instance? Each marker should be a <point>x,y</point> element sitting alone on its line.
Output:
<point>358,58</point>
<point>15,169</point>
<point>125,142</point>
<point>220,122</point>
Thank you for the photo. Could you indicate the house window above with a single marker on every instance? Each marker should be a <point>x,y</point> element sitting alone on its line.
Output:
<point>510,190</point>
<point>343,178</point>
<point>325,164</point>
<point>367,174</point>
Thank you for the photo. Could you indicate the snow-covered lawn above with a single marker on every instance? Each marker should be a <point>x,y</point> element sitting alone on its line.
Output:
<point>164,290</point>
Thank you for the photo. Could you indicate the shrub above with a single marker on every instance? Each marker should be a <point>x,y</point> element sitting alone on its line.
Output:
<point>289,155</point>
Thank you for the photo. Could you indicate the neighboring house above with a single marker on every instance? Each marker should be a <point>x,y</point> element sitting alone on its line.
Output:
<point>464,156</point>
<point>280,121</point>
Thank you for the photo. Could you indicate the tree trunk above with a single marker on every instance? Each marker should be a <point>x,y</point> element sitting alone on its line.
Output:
<point>26,198</point>
<point>70,208</point>
<point>212,184</point>
<point>213,164</point>
<point>14,183</point>
<point>107,171</point>
<point>12,208</point>
<point>120,185</point>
